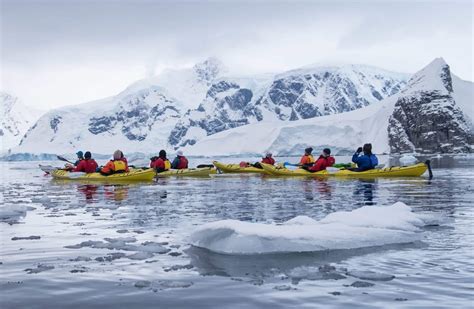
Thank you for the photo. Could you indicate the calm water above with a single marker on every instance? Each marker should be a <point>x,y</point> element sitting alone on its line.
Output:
<point>48,271</point>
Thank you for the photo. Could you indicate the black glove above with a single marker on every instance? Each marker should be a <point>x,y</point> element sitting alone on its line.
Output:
<point>359,150</point>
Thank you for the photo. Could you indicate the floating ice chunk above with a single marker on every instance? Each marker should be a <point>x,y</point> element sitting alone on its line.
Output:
<point>175,284</point>
<point>407,160</point>
<point>27,238</point>
<point>12,213</point>
<point>140,256</point>
<point>39,268</point>
<point>370,275</point>
<point>142,284</point>
<point>364,227</point>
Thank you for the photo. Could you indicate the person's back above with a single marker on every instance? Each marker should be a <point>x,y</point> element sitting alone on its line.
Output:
<point>161,163</point>
<point>307,158</point>
<point>366,161</point>
<point>180,162</point>
<point>325,160</point>
<point>117,165</point>
<point>88,165</point>
<point>268,159</point>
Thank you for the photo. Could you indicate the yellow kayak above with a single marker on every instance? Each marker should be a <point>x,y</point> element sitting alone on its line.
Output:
<point>236,168</point>
<point>283,171</point>
<point>133,175</point>
<point>396,171</point>
<point>188,172</point>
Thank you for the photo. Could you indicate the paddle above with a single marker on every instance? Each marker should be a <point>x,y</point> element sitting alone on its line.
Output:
<point>64,159</point>
<point>285,164</point>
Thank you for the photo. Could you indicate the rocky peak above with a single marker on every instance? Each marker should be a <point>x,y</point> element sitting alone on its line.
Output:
<point>426,117</point>
<point>209,69</point>
<point>436,76</point>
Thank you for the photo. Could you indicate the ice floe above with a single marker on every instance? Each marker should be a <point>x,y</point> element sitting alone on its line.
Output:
<point>367,226</point>
<point>11,213</point>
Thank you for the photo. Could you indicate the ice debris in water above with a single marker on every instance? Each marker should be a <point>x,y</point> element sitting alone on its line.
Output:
<point>363,227</point>
<point>370,275</point>
<point>39,268</point>
<point>12,213</point>
<point>361,284</point>
<point>122,243</point>
<point>407,160</point>
<point>26,238</point>
<point>142,284</point>
<point>325,272</point>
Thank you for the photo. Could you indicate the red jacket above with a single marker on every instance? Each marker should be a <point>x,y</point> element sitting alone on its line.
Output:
<point>268,160</point>
<point>322,163</point>
<point>160,164</point>
<point>87,166</point>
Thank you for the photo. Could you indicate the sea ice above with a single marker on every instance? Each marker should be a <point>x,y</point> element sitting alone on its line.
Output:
<point>363,227</point>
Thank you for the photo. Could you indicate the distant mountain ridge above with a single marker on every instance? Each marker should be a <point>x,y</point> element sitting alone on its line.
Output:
<point>182,108</point>
<point>16,120</point>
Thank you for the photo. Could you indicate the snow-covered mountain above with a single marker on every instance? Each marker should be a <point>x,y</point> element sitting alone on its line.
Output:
<point>435,123</point>
<point>322,106</point>
<point>16,120</point>
<point>299,94</point>
<point>426,117</point>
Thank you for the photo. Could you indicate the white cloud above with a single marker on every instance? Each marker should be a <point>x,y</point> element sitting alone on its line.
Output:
<point>59,53</point>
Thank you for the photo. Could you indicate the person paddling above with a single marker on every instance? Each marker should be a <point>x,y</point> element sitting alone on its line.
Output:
<point>160,163</point>
<point>307,159</point>
<point>180,162</point>
<point>367,161</point>
<point>267,158</point>
<point>324,160</point>
<point>80,157</point>
<point>117,165</point>
<point>88,165</point>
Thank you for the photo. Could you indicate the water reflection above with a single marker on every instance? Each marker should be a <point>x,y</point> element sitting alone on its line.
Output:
<point>91,192</point>
<point>317,187</point>
<point>209,263</point>
<point>364,191</point>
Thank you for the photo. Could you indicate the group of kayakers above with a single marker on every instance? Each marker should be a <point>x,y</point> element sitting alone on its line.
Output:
<point>363,158</point>
<point>119,164</point>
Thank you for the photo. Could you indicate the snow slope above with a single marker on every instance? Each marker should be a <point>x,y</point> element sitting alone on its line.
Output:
<point>363,227</point>
<point>16,120</point>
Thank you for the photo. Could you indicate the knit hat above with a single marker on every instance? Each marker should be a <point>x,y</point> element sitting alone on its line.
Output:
<point>179,153</point>
<point>80,154</point>
<point>117,155</point>
<point>308,150</point>
<point>87,155</point>
<point>327,151</point>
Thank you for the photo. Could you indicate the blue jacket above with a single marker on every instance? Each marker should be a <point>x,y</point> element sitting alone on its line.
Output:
<point>365,162</point>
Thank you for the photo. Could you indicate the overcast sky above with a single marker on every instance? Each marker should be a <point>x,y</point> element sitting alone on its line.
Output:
<point>56,53</point>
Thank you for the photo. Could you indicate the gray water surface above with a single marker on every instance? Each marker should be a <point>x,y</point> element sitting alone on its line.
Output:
<point>42,265</point>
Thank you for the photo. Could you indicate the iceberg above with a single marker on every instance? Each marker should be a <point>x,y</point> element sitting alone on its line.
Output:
<point>367,226</point>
